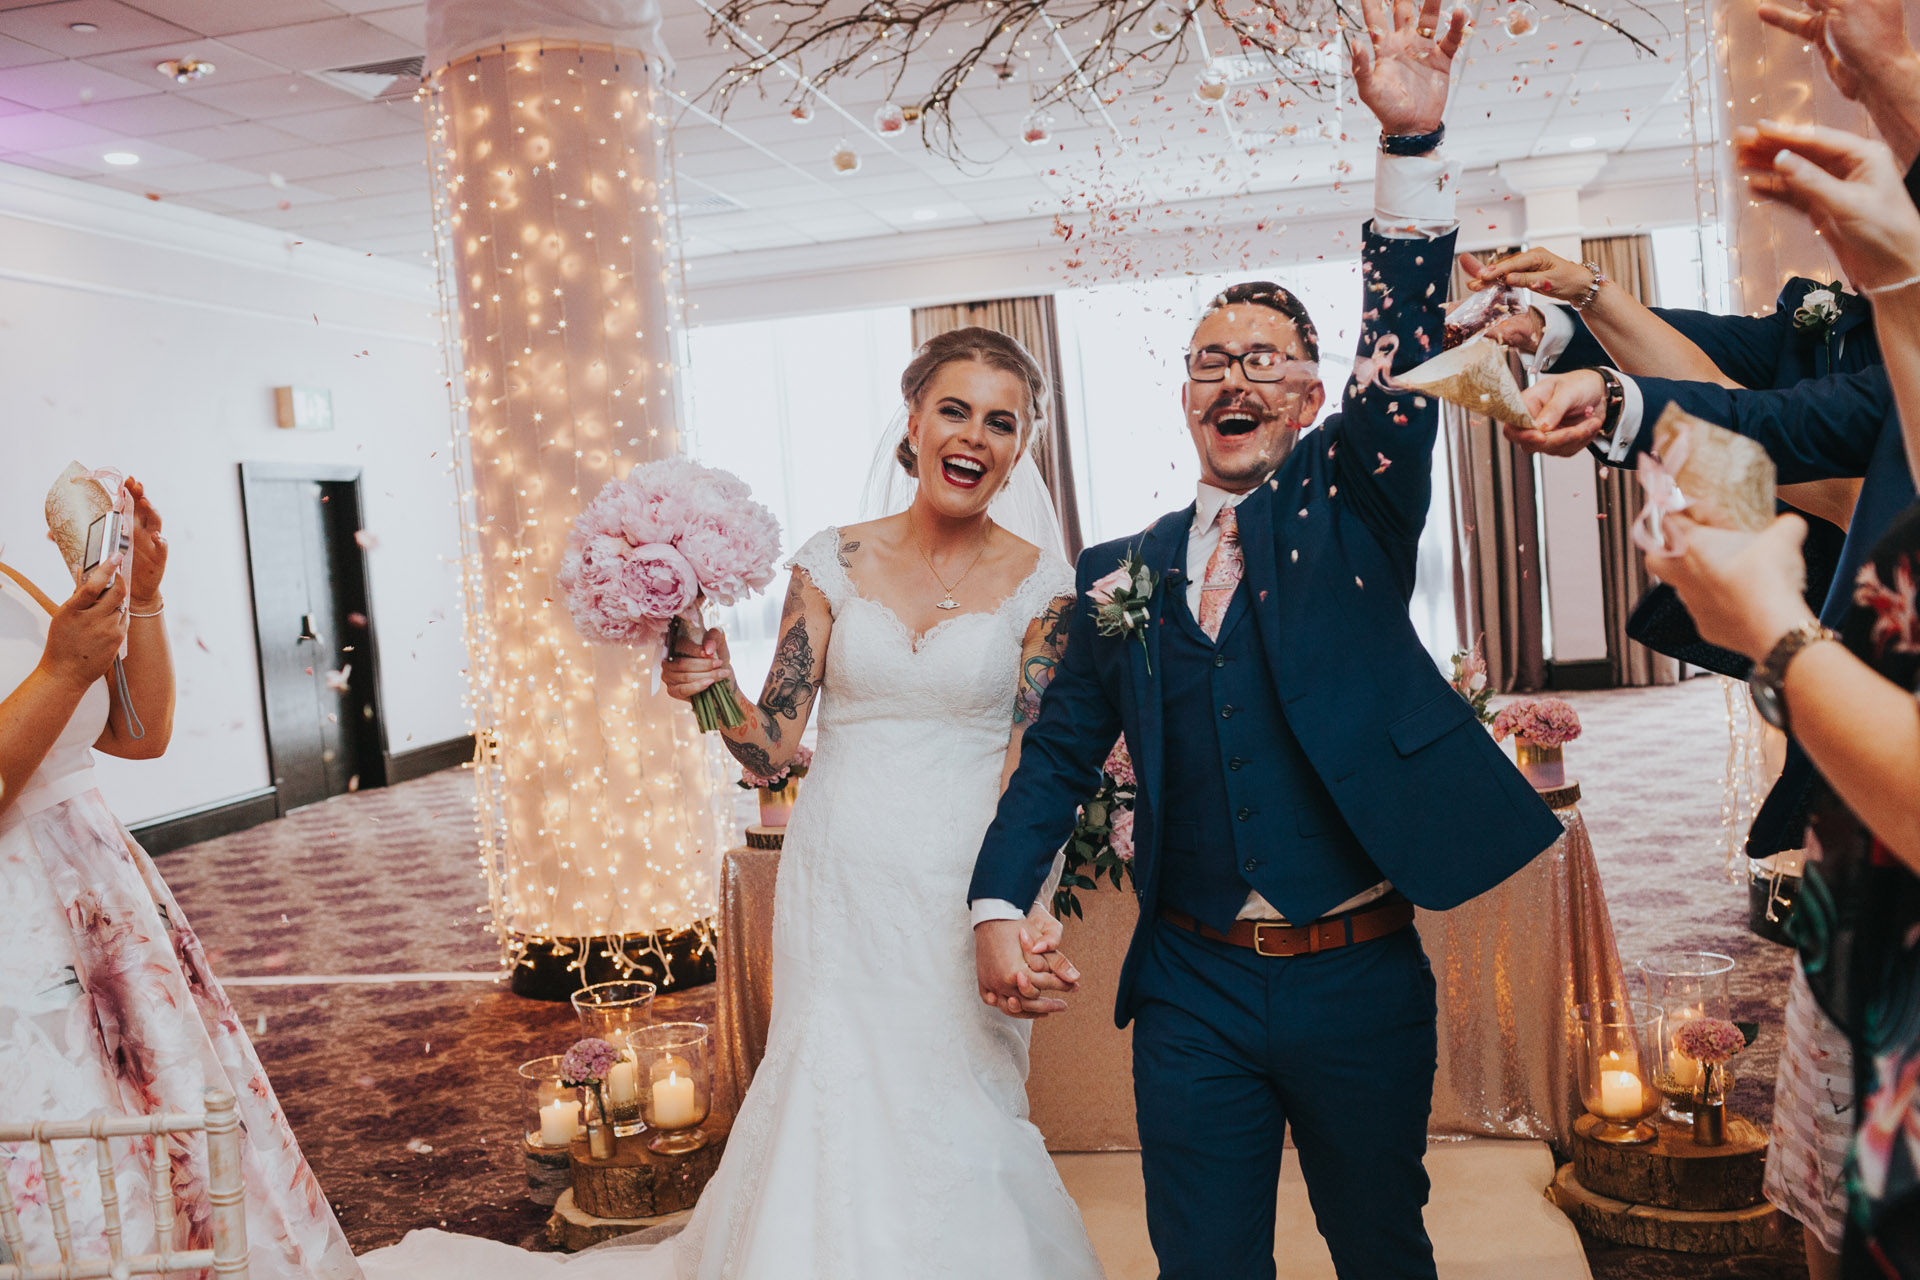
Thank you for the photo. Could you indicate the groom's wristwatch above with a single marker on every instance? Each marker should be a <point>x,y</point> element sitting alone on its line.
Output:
<point>1768,683</point>
<point>1412,144</point>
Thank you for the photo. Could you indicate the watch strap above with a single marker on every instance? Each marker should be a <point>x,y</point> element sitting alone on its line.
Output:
<point>1412,144</point>
<point>1770,673</point>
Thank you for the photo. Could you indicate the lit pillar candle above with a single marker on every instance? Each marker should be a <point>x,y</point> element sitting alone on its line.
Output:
<point>1620,1095</point>
<point>673,1106</point>
<point>558,1121</point>
<point>1685,1070</point>
<point>623,1084</point>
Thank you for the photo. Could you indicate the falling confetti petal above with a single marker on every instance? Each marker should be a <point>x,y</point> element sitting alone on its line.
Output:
<point>366,540</point>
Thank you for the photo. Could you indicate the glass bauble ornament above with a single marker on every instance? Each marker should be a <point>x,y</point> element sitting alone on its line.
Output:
<point>1037,128</point>
<point>889,119</point>
<point>1210,85</point>
<point>845,159</point>
<point>1520,19</point>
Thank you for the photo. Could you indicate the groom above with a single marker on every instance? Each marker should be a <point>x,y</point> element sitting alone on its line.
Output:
<point>1306,775</point>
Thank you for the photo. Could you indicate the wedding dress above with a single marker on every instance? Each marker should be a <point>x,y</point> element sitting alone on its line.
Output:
<point>885,1134</point>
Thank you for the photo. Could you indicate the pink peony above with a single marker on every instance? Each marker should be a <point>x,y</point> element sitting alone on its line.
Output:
<point>1551,722</point>
<point>1120,834</point>
<point>1119,765</point>
<point>1102,591</point>
<point>732,549</point>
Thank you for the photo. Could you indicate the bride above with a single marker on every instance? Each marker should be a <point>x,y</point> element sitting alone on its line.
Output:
<point>885,1133</point>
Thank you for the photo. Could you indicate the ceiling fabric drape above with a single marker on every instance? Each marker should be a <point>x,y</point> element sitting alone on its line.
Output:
<point>1494,506</point>
<point>1033,324</point>
<point>1628,262</point>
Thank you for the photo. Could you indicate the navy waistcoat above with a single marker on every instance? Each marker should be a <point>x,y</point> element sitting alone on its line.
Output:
<point>1243,806</point>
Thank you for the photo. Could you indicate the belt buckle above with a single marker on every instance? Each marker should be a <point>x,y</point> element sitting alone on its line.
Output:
<point>1259,935</point>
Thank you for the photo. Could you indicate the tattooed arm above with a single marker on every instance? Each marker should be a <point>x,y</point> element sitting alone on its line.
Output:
<point>772,731</point>
<point>1045,645</point>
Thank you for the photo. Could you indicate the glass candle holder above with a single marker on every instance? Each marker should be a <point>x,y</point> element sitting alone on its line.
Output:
<point>550,1110</point>
<point>675,1063</point>
<point>612,1011</point>
<point>1686,986</point>
<point>1620,1051</point>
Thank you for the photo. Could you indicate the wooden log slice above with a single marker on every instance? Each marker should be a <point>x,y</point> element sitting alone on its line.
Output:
<point>1728,1231</point>
<point>571,1230</point>
<point>639,1183</point>
<point>1561,797</point>
<point>1672,1171</point>
<point>766,837</point>
<point>548,1172</point>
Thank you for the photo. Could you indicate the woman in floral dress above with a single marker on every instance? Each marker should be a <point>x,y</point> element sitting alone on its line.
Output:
<point>107,1006</point>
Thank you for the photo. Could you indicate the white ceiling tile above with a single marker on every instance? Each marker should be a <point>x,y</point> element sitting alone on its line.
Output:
<point>18,53</point>
<point>143,117</point>
<point>228,141</point>
<point>259,197</point>
<point>44,131</point>
<point>67,84</point>
<point>230,66</point>
<point>119,27</point>
<point>199,176</point>
<point>371,182</point>
<point>399,148</point>
<point>320,46</point>
<point>408,22</point>
<point>88,154</point>
<point>44,165</point>
<point>270,98</point>
<point>220,17</point>
<point>356,123</point>
<point>300,162</point>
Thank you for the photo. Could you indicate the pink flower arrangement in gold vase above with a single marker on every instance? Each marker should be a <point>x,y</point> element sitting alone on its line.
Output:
<point>779,792</point>
<point>1540,727</point>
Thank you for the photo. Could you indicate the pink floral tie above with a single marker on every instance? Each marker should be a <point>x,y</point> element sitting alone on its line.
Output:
<point>1224,569</point>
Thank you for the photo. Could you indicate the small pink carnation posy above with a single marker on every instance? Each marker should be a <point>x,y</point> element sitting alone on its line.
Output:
<point>1541,726</point>
<point>1709,1040</point>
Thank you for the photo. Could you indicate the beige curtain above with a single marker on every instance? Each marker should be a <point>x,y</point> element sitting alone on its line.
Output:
<point>1031,322</point>
<point>1496,560</point>
<point>1628,262</point>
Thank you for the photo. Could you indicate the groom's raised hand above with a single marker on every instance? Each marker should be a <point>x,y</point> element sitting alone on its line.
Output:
<point>1005,957</point>
<point>1403,63</point>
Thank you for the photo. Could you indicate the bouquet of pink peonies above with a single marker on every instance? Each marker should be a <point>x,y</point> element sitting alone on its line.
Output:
<point>1551,722</point>
<point>653,546</point>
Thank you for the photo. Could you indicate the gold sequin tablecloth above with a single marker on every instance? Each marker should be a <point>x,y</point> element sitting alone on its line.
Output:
<point>744,981</point>
<point>1510,966</point>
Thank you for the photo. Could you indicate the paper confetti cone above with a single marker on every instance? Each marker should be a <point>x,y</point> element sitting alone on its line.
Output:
<point>1475,376</point>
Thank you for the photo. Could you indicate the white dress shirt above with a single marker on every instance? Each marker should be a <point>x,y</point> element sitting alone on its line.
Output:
<point>1413,198</point>
<point>1557,333</point>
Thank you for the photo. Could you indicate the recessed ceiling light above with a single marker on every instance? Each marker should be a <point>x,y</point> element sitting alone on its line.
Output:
<point>84,28</point>
<point>185,70</point>
<point>121,157</point>
<point>925,215</point>
<point>1582,143</point>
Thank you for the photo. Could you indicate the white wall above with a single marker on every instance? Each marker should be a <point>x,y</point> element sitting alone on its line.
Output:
<point>148,338</point>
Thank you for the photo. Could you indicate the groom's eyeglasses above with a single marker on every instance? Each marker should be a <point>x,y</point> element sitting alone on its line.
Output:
<point>1211,365</point>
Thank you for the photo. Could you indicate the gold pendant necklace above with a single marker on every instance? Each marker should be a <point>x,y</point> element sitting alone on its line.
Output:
<point>948,602</point>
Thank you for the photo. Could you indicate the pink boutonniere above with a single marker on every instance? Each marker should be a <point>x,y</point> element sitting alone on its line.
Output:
<point>1123,601</point>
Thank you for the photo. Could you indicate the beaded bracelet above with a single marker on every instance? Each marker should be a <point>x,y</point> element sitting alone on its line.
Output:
<point>1593,290</point>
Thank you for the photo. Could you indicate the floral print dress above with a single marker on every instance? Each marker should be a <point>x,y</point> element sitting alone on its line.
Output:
<point>1858,929</point>
<point>107,1007</point>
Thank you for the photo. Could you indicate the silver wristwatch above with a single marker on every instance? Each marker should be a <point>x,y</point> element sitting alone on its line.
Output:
<point>1767,683</point>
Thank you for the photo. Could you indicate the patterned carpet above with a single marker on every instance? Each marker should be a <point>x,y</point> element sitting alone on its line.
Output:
<point>386,882</point>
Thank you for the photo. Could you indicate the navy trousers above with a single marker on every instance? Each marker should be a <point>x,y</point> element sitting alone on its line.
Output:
<point>1229,1047</point>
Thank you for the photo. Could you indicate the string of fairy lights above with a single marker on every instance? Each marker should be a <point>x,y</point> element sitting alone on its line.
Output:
<point>597,799</point>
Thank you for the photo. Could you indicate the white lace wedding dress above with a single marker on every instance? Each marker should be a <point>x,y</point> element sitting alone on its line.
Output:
<point>886,1131</point>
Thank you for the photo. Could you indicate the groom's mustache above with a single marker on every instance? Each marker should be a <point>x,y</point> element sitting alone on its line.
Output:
<point>1236,416</point>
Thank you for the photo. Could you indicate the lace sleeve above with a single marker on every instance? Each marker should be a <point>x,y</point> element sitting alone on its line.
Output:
<point>820,557</point>
<point>1051,579</point>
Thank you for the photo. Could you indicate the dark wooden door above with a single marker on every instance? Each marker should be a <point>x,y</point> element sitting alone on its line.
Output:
<point>314,631</point>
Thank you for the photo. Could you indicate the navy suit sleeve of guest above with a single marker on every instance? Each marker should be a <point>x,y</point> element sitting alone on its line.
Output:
<point>1060,759</point>
<point>1913,183</point>
<point>1815,430</point>
<point>1382,438</point>
<point>1747,349</point>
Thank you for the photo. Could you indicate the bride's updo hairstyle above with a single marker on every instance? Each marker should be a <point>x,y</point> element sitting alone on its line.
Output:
<point>991,348</point>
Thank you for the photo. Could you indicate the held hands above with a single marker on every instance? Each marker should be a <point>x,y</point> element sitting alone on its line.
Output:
<point>87,631</point>
<point>692,669</point>
<point>1848,185</point>
<point>149,551</point>
<point>1401,69</point>
<point>1743,589</point>
<point>1568,410</point>
<point>1018,968</point>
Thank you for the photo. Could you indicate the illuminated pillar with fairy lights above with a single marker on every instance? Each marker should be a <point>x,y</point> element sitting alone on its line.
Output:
<point>600,816</point>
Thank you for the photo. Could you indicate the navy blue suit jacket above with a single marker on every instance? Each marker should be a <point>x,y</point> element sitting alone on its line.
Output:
<point>1759,352</point>
<point>1330,544</point>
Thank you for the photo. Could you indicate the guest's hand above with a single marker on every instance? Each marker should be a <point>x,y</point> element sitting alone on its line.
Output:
<point>1744,590</point>
<point>1402,69</point>
<point>1568,410</point>
<point>692,668</point>
<point>1538,269</point>
<point>1000,949</point>
<point>149,551</point>
<point>1522,332</point>
<point>1864,42</point>
<point>1848,185</point>
<point>87,631</point>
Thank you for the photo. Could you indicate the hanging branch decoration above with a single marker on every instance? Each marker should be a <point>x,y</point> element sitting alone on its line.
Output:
<point>1094,51</point>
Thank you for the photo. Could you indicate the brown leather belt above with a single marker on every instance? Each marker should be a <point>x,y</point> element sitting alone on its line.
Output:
<point>1375,920</point>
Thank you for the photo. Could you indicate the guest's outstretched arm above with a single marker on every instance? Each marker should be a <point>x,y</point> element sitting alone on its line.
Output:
<point>1869,58</point>
<point>771,735</point>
